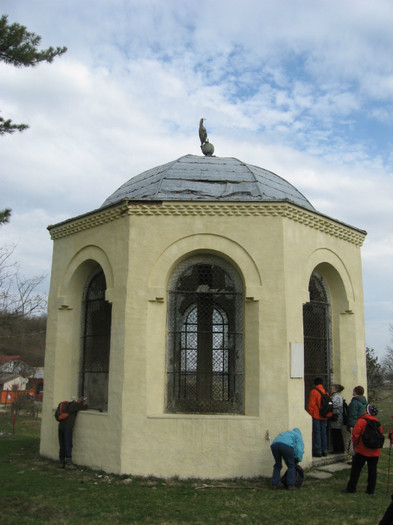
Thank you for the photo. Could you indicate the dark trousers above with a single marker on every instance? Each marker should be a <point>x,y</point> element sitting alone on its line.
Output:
<point>337,440</point>
<point>283,452</point>
<point>65,444</point>
<point>319,437</point>
<point>358,462</point>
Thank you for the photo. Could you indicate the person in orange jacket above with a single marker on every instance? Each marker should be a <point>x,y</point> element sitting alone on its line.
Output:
<point>364,454</point>
<point>319,424</point>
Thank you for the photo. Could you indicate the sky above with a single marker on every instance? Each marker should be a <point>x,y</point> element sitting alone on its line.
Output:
<point>301,88</point>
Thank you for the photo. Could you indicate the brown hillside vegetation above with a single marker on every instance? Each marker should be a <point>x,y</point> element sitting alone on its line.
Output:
<point>23,336</point>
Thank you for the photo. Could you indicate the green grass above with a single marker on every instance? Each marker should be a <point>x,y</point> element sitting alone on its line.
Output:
<point>384,403</point>
<point>33,490</point>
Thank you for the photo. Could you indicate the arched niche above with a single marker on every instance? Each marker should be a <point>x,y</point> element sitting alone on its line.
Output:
<point>335,274</point>
<point>79,268</point>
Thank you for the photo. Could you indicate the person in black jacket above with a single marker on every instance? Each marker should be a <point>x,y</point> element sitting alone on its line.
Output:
<point>65,431</point>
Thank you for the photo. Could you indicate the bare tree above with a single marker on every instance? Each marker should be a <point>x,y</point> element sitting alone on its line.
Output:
<point>19,296</point>
<point>374,375</point>
<point>387,362</point>
<point>22,307</point>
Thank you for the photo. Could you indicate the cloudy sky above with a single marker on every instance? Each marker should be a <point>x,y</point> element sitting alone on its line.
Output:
<point>302,88</point>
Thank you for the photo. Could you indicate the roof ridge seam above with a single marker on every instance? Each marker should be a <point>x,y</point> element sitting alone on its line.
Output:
<point>169,165</point>
<point>253,175</point>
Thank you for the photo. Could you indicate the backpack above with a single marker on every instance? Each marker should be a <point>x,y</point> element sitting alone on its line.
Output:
<point>345,413</point>
<point>326,408</point>
<point>372,436</point>
<point>61,411</point>
<point>299,477</point>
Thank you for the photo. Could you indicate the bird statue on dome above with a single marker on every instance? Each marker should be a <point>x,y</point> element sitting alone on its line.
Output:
<point>202,131</point>
<point>206,147</point>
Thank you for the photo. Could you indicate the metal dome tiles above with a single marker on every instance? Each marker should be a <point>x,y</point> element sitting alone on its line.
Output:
<point>196,178</point>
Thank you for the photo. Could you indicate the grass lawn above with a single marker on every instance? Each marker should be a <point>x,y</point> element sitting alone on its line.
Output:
<point>384,403</point>
<point>35,491</point>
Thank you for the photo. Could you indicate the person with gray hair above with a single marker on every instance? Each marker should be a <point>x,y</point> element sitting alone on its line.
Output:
<point>336,422</point>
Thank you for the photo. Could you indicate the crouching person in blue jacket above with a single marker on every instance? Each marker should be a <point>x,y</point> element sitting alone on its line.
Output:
<point>287,446</point>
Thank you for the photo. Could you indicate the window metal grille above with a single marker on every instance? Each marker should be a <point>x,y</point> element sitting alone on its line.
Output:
<point>96,343</point>
<point>317,335</point>
<point>205,338</point>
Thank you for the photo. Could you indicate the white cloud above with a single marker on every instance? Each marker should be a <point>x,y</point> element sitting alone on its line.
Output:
<point>291,86</point>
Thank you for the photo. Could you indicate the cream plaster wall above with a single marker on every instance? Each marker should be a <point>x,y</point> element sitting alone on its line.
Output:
<point>74,258</point>
<point>138,248</point>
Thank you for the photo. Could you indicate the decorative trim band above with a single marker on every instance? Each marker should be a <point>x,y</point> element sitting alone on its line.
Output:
<point>174,209</point>
<point>87,221</point>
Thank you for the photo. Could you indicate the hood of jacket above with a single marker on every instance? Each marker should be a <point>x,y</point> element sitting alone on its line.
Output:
<point>362,400</point>
<point>297,432</point>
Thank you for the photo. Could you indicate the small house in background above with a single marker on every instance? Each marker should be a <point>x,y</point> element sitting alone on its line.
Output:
<point>194,309</point>
<point>19,378</point>
<point>35,384</point>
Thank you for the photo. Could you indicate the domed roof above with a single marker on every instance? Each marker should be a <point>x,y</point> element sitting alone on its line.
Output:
<point>197,178</point>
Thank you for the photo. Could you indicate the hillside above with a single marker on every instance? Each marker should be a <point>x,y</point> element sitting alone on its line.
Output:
<point>24,337</point>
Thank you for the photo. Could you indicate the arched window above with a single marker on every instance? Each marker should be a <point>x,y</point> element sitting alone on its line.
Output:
<point>205,338</point>
<point>317,334</point>
<point>95,342</point>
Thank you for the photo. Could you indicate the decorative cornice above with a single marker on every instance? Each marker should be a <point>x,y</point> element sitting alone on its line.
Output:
<point>197,209</point>
<point>87,221</point>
